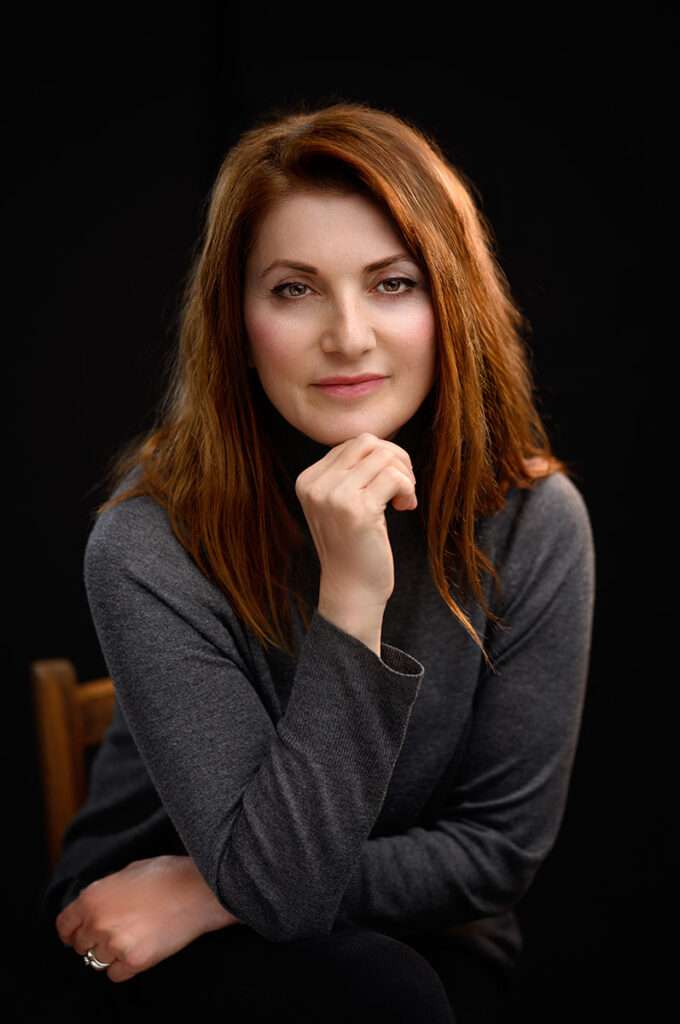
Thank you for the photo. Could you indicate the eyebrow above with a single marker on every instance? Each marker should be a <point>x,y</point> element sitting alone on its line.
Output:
<point>378,265</point>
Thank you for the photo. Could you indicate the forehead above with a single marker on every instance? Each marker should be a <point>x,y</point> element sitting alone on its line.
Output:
<point>318,227</point>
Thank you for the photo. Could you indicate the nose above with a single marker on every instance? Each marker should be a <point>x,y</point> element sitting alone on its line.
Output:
<point>349,332</point>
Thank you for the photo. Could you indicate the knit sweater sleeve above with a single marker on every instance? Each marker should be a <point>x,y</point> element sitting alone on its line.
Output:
<point>501,816</point>
<point>273,815</point>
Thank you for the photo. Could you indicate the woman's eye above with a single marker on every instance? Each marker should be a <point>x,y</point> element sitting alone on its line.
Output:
<point>405,280</point>
<point>279,289</point>
<point>287,284</point>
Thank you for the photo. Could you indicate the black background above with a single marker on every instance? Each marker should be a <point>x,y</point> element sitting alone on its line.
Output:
<point>114,124</point>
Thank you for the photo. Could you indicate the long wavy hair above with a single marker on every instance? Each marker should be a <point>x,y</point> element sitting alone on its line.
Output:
<point>207,459</point>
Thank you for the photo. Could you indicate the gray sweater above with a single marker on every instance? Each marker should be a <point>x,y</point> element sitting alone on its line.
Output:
<point>417,791</point>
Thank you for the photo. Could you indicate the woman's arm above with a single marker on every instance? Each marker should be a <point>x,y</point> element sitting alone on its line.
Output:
<point>274,813</point>
<point>137,917</point>
<point>496,811</point>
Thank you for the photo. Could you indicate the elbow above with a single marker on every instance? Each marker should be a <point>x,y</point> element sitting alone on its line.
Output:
<point>509,879</point>
<point>261,918</point>
<point>267,906</point>
<point>271,919</point>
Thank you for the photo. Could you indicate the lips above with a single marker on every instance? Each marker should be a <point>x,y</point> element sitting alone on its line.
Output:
<point>352,391</point>
<point>325,381</point>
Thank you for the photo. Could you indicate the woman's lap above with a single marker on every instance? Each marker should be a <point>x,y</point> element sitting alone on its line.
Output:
<point>338,977</point>
<point>478,991</point>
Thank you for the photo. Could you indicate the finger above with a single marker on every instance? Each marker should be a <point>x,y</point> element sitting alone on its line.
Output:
<point>355,449</point>
<point>67,922</point>
<point>119,971</point>
<point>402,453</point>
<point>365,452</point>
<point>369,468</point>
<point>402,456</point>
<point>84,941</point>
<point>392,484</point>
<point>318,469</point>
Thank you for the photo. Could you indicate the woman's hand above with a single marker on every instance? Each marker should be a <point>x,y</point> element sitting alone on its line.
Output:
<point>343,497</point>
<point>137,917</point>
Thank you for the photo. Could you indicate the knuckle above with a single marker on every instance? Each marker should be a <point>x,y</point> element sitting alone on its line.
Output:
<point>405,461</point>
<point>137,958</point>
<point>87,899</point>
<point>121,947</point>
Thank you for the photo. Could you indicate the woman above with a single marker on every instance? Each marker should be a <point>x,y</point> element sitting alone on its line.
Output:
<point>349,626</point>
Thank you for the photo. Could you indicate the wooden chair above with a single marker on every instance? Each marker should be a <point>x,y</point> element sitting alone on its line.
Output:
<point>71,718</point>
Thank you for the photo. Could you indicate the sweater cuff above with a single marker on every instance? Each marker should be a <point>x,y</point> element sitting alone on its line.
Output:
<point>399,661</point>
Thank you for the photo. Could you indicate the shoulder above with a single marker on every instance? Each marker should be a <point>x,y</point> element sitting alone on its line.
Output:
<point>551,511</point>
<point>136,539</point>
<point>541,535</point>
<point>134,565</point>
<point>134,526</point>
<point>556,507</point>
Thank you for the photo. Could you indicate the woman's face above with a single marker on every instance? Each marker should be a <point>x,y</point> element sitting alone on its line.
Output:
<point>338,319</point>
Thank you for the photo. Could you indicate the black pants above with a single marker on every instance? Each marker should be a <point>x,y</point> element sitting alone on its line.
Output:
<point>354,974</point>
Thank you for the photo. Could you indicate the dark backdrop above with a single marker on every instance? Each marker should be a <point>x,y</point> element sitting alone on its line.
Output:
<point>114,130</point>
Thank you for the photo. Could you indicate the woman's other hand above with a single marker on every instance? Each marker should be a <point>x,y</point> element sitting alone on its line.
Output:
<point>137,917</point>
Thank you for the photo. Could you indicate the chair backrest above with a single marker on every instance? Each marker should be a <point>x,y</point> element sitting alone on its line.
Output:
<point>71,717</point>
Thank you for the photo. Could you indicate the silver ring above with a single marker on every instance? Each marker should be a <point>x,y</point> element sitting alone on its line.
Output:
<point>91,961</point>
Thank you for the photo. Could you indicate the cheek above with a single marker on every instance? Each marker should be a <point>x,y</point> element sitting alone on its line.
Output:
<point>424,326</point>
<point>268,339</point>
<point>418,335</point>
